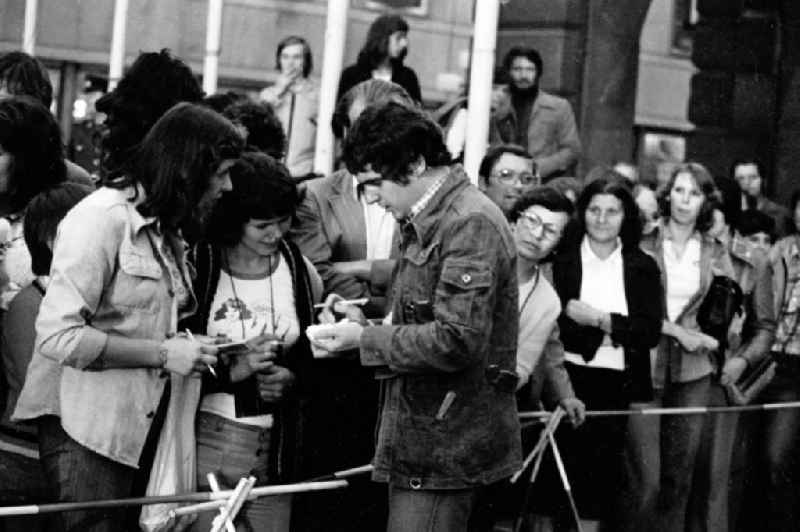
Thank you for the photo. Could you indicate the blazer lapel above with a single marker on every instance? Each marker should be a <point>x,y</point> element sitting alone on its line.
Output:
<point>350,214</point>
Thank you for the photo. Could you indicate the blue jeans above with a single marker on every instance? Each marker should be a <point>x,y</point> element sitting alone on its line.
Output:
<point>75,473</point>
<point>231,451</point>
<point>429,510</point>
<point>22,482</point>
<point>779,451</point>
<point>680,444</point>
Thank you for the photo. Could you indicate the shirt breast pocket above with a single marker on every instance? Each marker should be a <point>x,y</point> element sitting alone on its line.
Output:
<point>138,282</point>
<point>463,290</point>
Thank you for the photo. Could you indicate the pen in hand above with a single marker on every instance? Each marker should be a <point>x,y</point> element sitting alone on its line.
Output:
<point>209,366</point>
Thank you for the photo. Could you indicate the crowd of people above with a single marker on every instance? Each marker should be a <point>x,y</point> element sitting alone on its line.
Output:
<point>210,296</point>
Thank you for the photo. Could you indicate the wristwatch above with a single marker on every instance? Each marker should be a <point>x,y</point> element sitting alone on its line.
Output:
<point>162,355</point>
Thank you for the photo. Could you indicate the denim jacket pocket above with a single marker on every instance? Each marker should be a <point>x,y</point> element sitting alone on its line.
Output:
<point>463,281</point>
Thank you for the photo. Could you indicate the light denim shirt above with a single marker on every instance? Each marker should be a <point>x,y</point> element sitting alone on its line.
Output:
<point>106,279</point>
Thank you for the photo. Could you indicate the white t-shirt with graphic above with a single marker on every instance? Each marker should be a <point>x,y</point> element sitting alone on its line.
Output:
<point>244,307</point>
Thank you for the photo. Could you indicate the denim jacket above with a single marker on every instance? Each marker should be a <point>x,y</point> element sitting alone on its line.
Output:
<point>105,279</point>
<point>453,338</point>
<point>673,363</point>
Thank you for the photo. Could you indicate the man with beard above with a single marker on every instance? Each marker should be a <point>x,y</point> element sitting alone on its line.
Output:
<point>382,58</point>
<point>505,172</point>
<point>541,122</point>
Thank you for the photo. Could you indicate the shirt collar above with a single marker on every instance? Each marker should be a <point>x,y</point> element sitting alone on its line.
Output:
<point>588,254</point>
<point>426,198</point>
<point>424,222</point>
<point>138,222</point>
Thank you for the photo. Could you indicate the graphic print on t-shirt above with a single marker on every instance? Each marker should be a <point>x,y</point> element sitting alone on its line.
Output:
<point>234,316</point>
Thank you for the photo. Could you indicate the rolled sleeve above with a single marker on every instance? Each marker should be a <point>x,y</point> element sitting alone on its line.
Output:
<point>83,261</point>
<point>557,385</point>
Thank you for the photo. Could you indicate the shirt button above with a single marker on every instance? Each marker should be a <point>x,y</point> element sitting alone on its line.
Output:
<point>415,483</point>
<point>150,414</point>
<point>466,278</point>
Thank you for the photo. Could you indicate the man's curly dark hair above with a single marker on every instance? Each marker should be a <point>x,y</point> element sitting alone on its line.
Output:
<point>153,84</point>
<point>264,132</point>
<point>390,138</point>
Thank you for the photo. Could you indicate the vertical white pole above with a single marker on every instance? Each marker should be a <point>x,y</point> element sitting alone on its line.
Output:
<point>117,59</point>
<point>487,13</point>
<point>213,35</point>
<point>335,33</point>
<point>29,31</point>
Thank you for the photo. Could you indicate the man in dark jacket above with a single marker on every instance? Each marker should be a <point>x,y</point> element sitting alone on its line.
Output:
<point>382,58</point>
<point>446,363</point>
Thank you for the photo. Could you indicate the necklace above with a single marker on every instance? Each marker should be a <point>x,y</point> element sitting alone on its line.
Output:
<point>239,301</point>
<point>535,282</point>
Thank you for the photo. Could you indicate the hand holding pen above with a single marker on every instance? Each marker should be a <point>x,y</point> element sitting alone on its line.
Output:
<point>336,304</point>
<point>183,355</point>
<point>209,366</point>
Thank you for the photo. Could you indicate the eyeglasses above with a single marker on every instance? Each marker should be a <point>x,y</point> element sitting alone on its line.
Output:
<point>510,177</point>
<point>531,223</point>
<point>373,182</point>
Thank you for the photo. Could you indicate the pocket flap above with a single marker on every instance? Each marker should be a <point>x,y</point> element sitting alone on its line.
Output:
<point>466,275</point>
<point>139,265</point>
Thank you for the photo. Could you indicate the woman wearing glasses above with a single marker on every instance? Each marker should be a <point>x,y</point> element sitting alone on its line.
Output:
<point>611,296</point>
<point>253,284</point>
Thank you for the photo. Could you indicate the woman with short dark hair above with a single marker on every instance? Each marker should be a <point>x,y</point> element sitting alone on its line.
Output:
<point>252,282</point>
<point>611,296</point>
<point>108,322</point>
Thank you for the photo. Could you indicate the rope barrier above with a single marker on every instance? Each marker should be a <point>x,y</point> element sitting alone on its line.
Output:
<point>677,411</point>
<point>215,499</point>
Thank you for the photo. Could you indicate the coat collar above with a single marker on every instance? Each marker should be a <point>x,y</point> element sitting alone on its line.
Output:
<point>424,224</point>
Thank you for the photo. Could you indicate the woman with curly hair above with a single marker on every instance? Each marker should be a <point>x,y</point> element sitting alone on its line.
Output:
<point>689,259</point>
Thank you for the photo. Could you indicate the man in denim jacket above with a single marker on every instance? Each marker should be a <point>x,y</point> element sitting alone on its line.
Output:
<point>448,422</point>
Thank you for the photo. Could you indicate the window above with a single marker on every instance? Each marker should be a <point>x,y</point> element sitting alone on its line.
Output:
<point>683,22</point>
<point>411,7</point>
